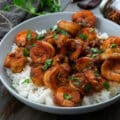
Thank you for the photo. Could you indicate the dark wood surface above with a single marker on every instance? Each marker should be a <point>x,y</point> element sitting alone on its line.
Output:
<point>12,109</point>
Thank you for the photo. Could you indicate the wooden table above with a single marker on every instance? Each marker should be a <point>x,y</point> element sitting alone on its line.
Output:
<point>12,109</point>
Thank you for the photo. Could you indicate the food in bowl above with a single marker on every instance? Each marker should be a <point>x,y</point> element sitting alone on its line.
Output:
<point>68,65</point>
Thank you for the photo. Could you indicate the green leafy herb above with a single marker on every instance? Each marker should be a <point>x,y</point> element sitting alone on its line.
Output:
<point>60,31</point>
<point>26,52</point>
<point>96,73</point>
<point>113,45</point>
<point>40,36</point>
<point>26,81</point>
<point>55,37</point>
<point>45,6</point>
<point>96,50</point>
<point>47,64</point>
<point>87,87</point>
<point>29,35</point>
<point>73,78</point>
<point>106,85</point>
<point>83,37</point>
<point>67,96</point>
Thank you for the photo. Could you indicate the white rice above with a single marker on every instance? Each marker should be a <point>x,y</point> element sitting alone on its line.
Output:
<point>43,95</point>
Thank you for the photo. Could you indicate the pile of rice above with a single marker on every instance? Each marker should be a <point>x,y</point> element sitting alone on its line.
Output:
<point>43,95</point>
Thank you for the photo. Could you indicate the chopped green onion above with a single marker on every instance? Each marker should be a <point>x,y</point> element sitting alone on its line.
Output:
<point>83,37</point>
<point>106,85</point>
<point>60,31</point>
<point>67,96</point>
<point>47,64</point>
<point>55,37</point>
<point>26,81</point>
<point>113,45</point>
<point>26,52</point>
<point>87,87</point>
<point>29,36</point>
<point>40,36</point>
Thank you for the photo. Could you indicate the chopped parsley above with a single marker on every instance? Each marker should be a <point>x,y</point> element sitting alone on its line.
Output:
<point>67,96</point>
<point>47,64</point>
<point>83,37</point>
<point>87,87</point>
<point>96,73</point>
<point>40,36</point>
<point>96,51</point>
<point>29,36</point>
<point>26,52</point>
<point>106,85</point>
<point>113,45</point>
<point>26,81</point>
<point>55,37</point>
<point>61,31</point>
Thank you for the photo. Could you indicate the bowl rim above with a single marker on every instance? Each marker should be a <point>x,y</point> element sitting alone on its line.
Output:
<point>25,100</point>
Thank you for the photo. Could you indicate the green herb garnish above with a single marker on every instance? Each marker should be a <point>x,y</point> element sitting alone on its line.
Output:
<point>106,85</point>
<point>96,50</point>
<point>67,96</point>
<point>60,31</point>
<point>29,36</point>
<point>83,37</point>
<point>47,64</point>
<point>96,73</point>
<point>26,81</point>
<point>40,36</point>
<point>55,37</point>
<point>87,87</point>
<point>26,52</point>
<point>45,6</point>
<point>113,45</point>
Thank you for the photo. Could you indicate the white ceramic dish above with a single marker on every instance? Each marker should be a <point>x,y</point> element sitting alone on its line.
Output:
<point>43,22</point>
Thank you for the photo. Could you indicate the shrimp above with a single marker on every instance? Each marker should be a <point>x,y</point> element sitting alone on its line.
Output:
<point>110,46</point>
<point>110,68</point>
<point>78,81</point>
<point>96,82</point>
<point>25,37</point>
<point>85,18</point>
<point>110,41</point>
<point>59,59</point>
<point>74,48</point>
<point>37,75</point>
<point>56,76</point>
<point>15,61</point>
<point>67,97</point>
<point>87,34</point>
<point>83,63</point>
<point>41,52</point>
<point>70,27</point>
